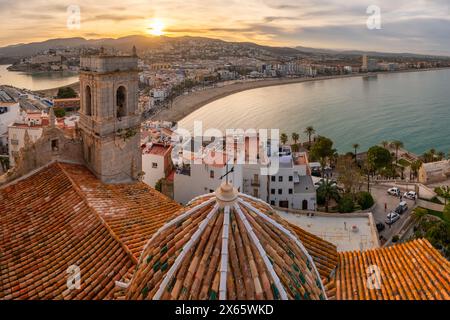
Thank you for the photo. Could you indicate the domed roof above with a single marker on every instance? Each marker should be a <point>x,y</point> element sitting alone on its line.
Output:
<point>225,245</point>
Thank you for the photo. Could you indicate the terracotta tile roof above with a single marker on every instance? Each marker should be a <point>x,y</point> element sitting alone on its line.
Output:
<point>409,271</point>
<point>241,250</point>
<point>324,253</point>
<point>61,216</point>
<point>45,227</point>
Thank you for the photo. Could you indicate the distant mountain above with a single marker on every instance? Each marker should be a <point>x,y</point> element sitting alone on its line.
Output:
<point>147,42</point>
<point>369,53</point>
<point>125,44</point>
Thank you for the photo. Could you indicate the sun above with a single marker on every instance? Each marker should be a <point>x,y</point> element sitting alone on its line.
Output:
<point>156,28</point>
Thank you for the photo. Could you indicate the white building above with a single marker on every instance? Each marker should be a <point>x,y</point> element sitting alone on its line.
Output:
<point>9,113</point>
<point>156,162</point>
<point>31,123</point>
<point>159,94</point>
<point>291,187</point>
<point>192,180</point>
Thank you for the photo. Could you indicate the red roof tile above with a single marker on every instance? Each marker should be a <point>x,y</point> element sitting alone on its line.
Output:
<point>62,216</point>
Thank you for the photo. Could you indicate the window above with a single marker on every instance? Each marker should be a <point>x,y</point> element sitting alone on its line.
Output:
<point>291,178</point>
<point>280,191</point>
<point>211,190</point>
<point>273,178</point>
<point>121,102</point>
<point>55,146</point>
<point>291,191</point>
<point>154,165</point>
<point>211,174</point>
<point>256,193</point>
<point>272,203</point>
<point>87,101</point>
<point>280,178</point>
<point>272,191</point>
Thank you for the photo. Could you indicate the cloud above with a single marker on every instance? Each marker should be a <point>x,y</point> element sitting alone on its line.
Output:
<point>408,25</point>
<point>114,17</point>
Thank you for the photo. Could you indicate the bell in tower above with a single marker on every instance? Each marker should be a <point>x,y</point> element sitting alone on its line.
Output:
<point>109,117</point>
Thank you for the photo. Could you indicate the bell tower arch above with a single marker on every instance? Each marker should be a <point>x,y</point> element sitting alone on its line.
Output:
<point>109,117</point>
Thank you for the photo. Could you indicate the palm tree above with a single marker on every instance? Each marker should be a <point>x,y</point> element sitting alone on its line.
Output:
<point>415,167</point>
<point>441,155</point>
<point>355,147</point>
<point>432,154</point>
<point>328,191</point>
<point>295,137</point>
<point>397,145</point>
<point>283,138</point>
<point>385,144</point>
<point>310,131</point>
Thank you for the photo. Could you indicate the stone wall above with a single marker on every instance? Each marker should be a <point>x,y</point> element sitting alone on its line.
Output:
<point>53,145</point>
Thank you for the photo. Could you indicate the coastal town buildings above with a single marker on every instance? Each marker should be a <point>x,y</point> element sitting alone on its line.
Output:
<point>290,187</point>
<point>68,104</point>
<point>76,208</point>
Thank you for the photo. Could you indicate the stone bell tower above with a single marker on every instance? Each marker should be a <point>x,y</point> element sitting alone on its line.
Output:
<point>109,117</point>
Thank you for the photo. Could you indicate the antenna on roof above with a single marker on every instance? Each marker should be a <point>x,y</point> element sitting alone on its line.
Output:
<point>227,173</point>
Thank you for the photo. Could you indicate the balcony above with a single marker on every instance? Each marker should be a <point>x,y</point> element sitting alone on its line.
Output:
<point>14,142</point>
<point>255,183</point>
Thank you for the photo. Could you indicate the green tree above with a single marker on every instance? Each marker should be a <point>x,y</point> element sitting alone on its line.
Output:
<point>396,144</point>
<point>445,193</point>
<point>283,138</point>
<point>158,185</point>
<point>346,204</point>
<point>59,112</point>
<point>365,200</point>
<point>440,155</point>
<point>419,213</point>
<point>446,212</point>
<point>415,167</point>
<point>295,137</point>
<point>379,157</point>
<point>309,132</point>
<point>355,147</point>
<point>385,144</point>
<point>327,191</point>
<point>323,150</point>
<point>66,93</point>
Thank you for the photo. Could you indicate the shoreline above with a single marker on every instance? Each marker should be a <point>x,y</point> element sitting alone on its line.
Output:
<point>186,104</point>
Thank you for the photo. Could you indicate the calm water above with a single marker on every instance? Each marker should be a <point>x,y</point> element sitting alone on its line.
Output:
<point>411,107</point>
<point>36,81</point>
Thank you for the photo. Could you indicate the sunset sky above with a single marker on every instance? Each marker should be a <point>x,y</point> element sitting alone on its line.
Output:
<point>421,26</point>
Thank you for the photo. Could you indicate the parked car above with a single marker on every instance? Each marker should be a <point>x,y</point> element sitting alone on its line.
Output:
<point>392,217</point>
<point>394,191</point>
<point>410,195</point>
<point>402,207</point>
<point>380,226</point>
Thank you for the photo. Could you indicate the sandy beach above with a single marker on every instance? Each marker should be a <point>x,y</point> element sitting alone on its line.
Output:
<point>185,104</point>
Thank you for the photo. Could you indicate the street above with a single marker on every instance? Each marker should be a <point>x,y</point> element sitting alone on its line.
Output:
<point>381,198</point>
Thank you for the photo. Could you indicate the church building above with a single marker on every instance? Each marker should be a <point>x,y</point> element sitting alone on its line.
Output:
<point>77,222</point>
